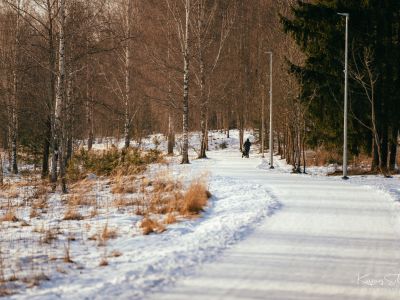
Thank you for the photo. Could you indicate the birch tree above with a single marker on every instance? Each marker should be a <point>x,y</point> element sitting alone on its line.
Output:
<point>182,28</point>
<point>58,134</point>
<point>12,105</point>
<point>213,23</point>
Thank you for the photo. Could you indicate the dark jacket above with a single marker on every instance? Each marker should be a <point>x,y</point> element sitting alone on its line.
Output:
<point>247,145</point>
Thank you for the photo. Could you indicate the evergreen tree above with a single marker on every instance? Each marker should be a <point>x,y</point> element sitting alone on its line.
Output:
<point>374,29</point>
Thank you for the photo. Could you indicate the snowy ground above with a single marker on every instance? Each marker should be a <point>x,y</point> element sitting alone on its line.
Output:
<point>324,234</point>
<point>331,240</point>
<point>136,264</point>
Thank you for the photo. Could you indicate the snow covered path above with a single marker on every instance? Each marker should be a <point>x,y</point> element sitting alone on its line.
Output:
<point>331,240</point>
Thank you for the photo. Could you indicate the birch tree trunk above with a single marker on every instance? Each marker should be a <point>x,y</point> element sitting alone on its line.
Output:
<point>58,137</point>
<point>14,98</point>
<point>48,139</point>
<point>89,106</point>
<point>203,101</point>
<point>171,127</point>
<point>127,121</point>
<point>185,146</point>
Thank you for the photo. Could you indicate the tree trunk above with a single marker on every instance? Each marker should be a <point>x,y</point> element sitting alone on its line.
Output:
<point>58,139</point>
<point>14,98</point>
<point>127,121</point>
<point>203,101</point>
<point>69,129</point>
<point>185,147</point>
<point>49,139</point>
<point>393,150</point>
<point>46,149</point>
<point>384,151</point>
<point>393,155</point>
<point>171,136</point>
<point>375,156</point>
<point>1,170</point>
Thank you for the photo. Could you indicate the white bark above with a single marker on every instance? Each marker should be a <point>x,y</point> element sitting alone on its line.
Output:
<point>13,121</point>
<point>58,110</point>
<point>185,147</point>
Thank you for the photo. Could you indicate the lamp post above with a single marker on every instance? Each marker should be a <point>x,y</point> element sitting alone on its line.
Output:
<point>271,137</point>
<point>345,96</point>
<point>262,123</point>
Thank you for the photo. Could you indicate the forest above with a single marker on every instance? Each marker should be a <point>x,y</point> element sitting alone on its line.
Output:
<point>125,168</point>
<point>75,72</point>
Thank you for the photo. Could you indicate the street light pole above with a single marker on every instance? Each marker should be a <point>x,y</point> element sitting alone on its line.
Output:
<point>345,96</point>
<point>262,123</point>
<point>271,136</point>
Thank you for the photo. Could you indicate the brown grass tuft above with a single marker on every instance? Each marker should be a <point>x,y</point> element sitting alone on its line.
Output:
<point>40,191</point>
<point>103,262</point>
<point>124,184</point>
<point>195,198</point>
<point>72,214</point>
<point>9,216</point>
<point>108,233</point>
<point>115,253</point>
<point>78,200</point>
<point>49,236</point>
<point>170,219</point>
<point>13,193</point>
<point>94,212</point>
<point>34,213</point>
<point>149,226</point>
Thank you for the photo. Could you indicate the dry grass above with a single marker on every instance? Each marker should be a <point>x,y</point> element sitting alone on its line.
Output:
<point>94,212</point>
<point>108,233</point>
<point>34,213</point>
<point>170,219</point>
<point>12,192</point>
<point>149,226</point>
<point>195,198</point>
<point>72,214</point>
<point>40,203</point>
<point>115,253</point>
<point>40,191</point>
<point>83,186</point>
<point>79,200</point>
<point>103,262</point>
<point>49,236</point>
<point>4,292</point>
<point>124,184</point>
<point>122,202</point>
<point>9,216</point>
<point>13,278</point>
<point>35,280</point>
<point>24,223</point>
<point>67,254</point>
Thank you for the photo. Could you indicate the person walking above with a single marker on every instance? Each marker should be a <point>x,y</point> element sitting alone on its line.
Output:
<point>246,147</point>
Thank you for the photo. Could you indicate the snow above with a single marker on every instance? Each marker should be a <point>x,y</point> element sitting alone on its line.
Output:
<point>331,240</point>
<point>147,262</point>
<point>266,234</point>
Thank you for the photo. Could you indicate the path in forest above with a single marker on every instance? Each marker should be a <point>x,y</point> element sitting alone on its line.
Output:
<point>330,240</point>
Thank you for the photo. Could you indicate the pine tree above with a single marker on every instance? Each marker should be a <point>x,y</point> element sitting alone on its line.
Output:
<point>318,30</point>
